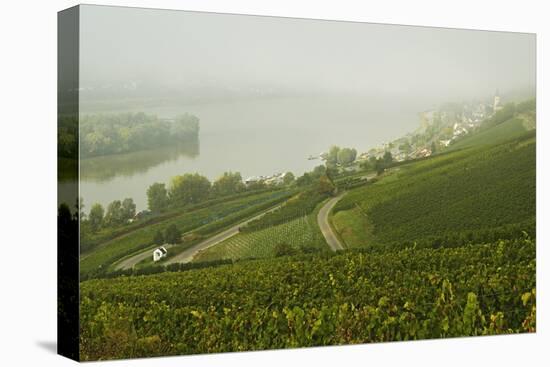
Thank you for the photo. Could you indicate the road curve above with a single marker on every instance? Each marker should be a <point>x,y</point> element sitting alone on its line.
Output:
<point>324,225</point>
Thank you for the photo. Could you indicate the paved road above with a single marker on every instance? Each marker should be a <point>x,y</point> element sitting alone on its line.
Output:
<point>131,261</point>
<point>187,255</point>
<point>322,220</point>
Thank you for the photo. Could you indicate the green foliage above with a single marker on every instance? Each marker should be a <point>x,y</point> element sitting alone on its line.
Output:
<point>105,134</point>
<point>229,183</point>
<point>311,300</point>
<point>189,188</point>
<point>172,234</point>
<point>284,249</point>
<point>289,178</point>
<point>67,137</point>
<point>115,214</point>
<point>387,158</point>
<point>296,207</point>
<point>339,155</point>
<point>128,208</point>
<point>157,197</point>
<point>332,156</point>
<point>527,106</point>
<point>305,180</point>
<point>300,235</point>
<point>471,190</point>
<point>95,218</point>
<point>204,219</point>
<point>159,238</point>
<point>325,185</point>
<point>346,155</point>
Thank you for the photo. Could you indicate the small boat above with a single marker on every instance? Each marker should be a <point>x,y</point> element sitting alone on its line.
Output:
<point>312,157</point>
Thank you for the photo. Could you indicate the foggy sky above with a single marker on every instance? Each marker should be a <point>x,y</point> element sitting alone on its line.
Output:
<point>177,48</point>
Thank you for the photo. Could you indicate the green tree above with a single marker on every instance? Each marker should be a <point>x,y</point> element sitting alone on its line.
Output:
<point>229,183</point>
<point>289,178</point>
<point>172,234</point>
<point>159,238</point>
<point>256,185</point>
<point>319,171</point>
<point>388,158</point>
<point>157,197</point>
<point>128,208</point>
<point>189,188</point>
<point>304,180</point>
<point>95,218</point>
<point>80,208</point>
<point>346,156</point>
<point>332,156</point>
<point>115,214</point>
<point>325,185</point>
<point>379,166</point>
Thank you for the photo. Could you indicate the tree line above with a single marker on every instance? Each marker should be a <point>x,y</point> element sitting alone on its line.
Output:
<point>104,134</point>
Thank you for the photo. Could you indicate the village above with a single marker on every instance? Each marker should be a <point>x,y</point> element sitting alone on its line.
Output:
<point>439,128</point>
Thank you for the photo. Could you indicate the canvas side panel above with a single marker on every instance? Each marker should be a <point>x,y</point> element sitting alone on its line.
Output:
<point>67,183</point>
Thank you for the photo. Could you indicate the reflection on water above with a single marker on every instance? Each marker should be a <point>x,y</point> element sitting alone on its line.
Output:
<point>106,168</point>
<point>253,137</point>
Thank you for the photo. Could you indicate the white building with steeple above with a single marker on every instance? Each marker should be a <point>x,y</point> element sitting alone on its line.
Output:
<point>496,102</point>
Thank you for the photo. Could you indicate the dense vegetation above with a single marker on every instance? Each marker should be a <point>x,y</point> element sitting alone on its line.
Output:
<point>468,190</point>
<point>203,221</point>
<point>105,134</point>
<point>298,235</point>
<point>67,137</point>
<point>296,207</point>
<point>307,300</point>
<point>444,247</point>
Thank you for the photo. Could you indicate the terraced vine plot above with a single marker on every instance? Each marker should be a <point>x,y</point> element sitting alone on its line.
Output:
<point>298,233</point>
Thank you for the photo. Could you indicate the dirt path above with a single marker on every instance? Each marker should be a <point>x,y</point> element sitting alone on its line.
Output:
<point>324,225</point>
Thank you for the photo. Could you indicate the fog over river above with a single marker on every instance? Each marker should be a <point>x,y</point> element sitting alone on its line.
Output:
<point>270,92</point>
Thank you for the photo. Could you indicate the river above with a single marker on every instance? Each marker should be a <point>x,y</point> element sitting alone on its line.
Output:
<point>253,137</point>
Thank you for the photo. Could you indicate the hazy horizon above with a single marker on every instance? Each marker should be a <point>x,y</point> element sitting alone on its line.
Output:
<point>154,53</point>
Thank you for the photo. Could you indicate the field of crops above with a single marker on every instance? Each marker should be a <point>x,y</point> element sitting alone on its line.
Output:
<point>298,233</point>
<point>315,299</point>
<point>298,206</point>
<point>474,189</point>
<point>208,219</point>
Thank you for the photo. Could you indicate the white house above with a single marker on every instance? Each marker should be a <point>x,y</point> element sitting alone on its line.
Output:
<point>159,253</point>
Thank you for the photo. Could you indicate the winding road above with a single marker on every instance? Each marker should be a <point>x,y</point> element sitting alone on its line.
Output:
<point>323,220</point>
<point>187,255</point>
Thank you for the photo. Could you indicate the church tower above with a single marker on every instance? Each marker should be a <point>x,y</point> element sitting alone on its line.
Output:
<point>496,102</point>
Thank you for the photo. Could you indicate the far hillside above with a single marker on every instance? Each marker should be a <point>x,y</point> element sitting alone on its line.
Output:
<point>511,121</point>
<point>477,193</point>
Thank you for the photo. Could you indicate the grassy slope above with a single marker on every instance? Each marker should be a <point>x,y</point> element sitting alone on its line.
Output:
<point>492,136</point>
<point>262,243</point>
<point>302,234</point>
<point>119,247</point>
<point>477,188</point>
